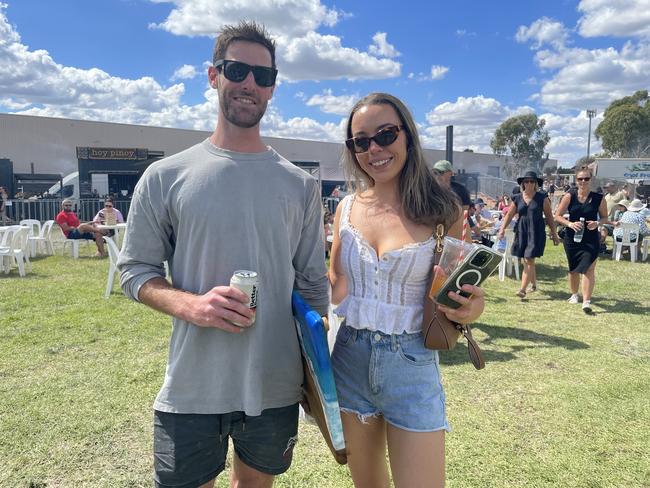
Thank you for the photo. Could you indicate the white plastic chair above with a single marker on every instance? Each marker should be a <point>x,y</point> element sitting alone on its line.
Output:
<point>644,248</point>
<point>34,231</point>
<point>509,261</point>
<point>625,241</point>
<point>113,253</point>
<point>39,241</point>
<point>74,244</point>
<point>14,251</point>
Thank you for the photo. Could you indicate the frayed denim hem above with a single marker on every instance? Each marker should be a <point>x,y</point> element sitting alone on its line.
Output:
<point>363,417</point>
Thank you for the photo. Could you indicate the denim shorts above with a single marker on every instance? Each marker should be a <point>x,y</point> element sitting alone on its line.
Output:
<point>392,375</point>
<point>191,449</point>
<point>75,234</point>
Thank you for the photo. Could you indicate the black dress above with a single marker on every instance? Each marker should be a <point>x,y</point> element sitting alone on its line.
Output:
<point>581,254</point>
<point>530,231</point>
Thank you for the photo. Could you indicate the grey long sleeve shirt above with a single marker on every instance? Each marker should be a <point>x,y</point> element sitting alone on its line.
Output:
<point>209,212</point>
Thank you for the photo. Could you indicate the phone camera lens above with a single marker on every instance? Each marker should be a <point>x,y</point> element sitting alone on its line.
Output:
<point>481,259</point>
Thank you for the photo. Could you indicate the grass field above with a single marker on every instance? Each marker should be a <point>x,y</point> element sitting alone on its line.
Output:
<point>564,400</point>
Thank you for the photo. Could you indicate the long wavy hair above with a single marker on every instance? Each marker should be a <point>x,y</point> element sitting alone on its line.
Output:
<point>424,201</point>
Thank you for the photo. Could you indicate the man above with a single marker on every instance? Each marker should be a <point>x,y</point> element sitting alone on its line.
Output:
<point>443,171</point>
<point>73,229</point>
<point>226,204</point>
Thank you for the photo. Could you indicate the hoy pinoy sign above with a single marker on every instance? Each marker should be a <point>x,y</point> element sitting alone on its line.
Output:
<point>628,169</point>
<point>111,153</point>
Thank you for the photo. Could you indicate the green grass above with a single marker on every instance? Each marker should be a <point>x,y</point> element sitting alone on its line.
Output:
<point>563,401</point>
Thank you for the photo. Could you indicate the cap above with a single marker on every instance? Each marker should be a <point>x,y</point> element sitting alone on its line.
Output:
<point>479,201</point>
<point>443,166</point>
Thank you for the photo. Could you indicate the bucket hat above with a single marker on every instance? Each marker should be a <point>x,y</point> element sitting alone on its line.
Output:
<point>530,175</point>
<point>635,205</point>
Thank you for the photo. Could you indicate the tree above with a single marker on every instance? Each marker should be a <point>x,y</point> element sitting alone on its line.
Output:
<point>625,129</point>
<point>524,139</point>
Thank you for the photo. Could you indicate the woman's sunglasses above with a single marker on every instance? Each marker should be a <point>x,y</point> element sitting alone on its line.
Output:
<point>383,138</point>
<point>584,179</point>
<point>237,71</point>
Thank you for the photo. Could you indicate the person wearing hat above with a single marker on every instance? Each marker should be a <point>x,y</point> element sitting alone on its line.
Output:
<point>73,229</point>
<point>533,209</point>
<point>583,255</point>
<point>632,215</point>
<point>443,171</point>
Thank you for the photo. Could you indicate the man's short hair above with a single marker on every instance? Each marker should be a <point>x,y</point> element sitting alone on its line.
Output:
<point>248,31</point>
<point>66,202</point>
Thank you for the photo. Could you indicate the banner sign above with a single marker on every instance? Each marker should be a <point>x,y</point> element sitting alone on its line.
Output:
<point>111,153</point>
<point>628,169</point>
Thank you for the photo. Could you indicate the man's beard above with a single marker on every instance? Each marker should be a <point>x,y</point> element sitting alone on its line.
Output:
<point>241,118</point>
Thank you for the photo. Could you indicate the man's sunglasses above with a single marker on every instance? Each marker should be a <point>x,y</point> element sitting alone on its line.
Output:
<point>584,179</point>
<point>384,137</point>
<point>530,181</point>
<point>237,71</point>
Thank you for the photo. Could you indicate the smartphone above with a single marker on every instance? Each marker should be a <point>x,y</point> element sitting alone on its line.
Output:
<point>474,270</point>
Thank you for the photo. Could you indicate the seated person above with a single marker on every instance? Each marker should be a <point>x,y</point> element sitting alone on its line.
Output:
<point>632,216</point>
<point>109,215</point>
<point>483,215</point>
<point>73,229</point>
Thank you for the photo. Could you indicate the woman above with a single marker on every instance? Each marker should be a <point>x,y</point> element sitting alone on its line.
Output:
<point>504,203</point>
<point>388,384</point>
<point>532,207</point>
<point>108,215</point>
<point>582,256</point>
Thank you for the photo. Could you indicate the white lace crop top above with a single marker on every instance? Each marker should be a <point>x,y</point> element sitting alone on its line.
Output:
<point>384,293</point>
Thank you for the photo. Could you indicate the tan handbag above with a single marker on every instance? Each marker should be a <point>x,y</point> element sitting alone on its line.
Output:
<point>439,332</point>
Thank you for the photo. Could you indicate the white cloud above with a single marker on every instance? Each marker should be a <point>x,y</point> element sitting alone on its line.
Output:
<point>543,31</point>
<point>333,104</point>
<point>185,72</point>
<point>438,72</point>
<point>583,78</point>
<point>206,17</point>
<point>474,119</point>
<point>595,78</point>
<point>381,47</point>
<point>465,33</point>
<point>302,53</point>
<point>569,136</point>
<point>619,18</point>
<point>274,125</point>
<point>320,57</point>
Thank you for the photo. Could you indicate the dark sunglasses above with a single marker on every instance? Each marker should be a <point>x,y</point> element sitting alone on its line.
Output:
<point>530,181</point>
<point>384,137</point>
<point>108,206</point>
<point>237,71</point>
<point>588,178</point>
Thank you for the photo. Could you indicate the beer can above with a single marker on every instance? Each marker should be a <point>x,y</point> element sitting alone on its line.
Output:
<point>247,282</point>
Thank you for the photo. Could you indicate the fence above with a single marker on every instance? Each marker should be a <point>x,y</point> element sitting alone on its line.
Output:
<point>495,187</point>
<point>47,209</point>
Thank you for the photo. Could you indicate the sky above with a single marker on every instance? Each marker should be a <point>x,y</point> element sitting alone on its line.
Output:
<point>467,63</point>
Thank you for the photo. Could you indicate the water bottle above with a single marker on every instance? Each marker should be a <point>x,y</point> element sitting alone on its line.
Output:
<point>577,237</point>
